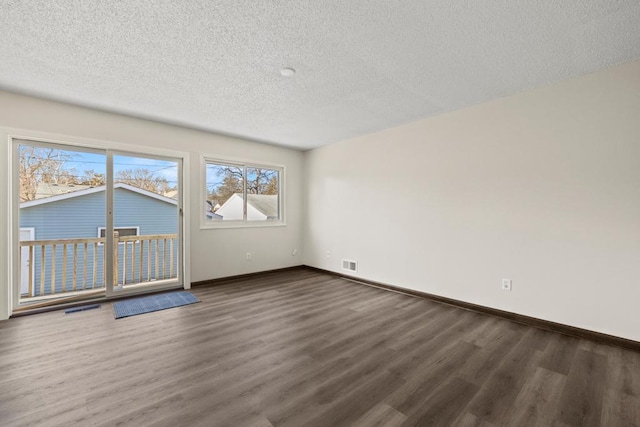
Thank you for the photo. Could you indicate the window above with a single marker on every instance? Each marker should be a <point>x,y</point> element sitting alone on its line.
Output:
<point>122,232</point>
<point>238,193</point>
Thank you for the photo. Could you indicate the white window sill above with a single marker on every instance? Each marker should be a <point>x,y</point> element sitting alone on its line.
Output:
<point>241,224</point>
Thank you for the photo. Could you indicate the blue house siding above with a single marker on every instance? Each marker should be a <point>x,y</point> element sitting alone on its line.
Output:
<point>81,217</point>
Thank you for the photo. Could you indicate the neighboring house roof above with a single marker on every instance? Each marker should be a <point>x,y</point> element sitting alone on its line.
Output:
<point>46,189</point>
<point>92,190</point>
<point>265,203</point>
<point>211,207</point>
<point>173,194</point>
<point>213,215</point>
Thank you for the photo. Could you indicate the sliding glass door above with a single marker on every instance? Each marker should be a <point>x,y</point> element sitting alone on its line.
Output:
<point>146,217</point>
<point>95,223</point>
<point>61,203</point>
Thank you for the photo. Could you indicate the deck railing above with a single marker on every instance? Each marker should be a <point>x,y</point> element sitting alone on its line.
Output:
<point>72,265</point>
<point>160,247</point>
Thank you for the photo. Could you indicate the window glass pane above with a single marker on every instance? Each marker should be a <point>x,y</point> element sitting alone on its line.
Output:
<point>62,203</point>
<point>224,184</point>
<point>122,231</point>
<point>154,175</point>
<point>47,172</point>
<point>263,188</point>
<point>145,203</point>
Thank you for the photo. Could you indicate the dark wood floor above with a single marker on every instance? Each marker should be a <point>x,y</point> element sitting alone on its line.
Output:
<point>300,348</point>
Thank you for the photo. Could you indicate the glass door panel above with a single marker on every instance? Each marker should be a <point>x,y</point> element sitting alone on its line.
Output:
<point>146,221</point>
<point>62,201</point>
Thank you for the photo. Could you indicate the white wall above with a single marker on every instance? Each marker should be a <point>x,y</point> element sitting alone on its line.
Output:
<point>542,187</point>
<point>214,253</point>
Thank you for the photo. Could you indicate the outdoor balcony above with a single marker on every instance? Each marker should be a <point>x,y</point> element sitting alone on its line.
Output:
<point>75,267</point>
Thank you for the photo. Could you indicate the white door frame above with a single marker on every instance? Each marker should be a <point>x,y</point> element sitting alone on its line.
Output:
<point>9,294</point>
<point>32,236</point>
<point>110,289</point>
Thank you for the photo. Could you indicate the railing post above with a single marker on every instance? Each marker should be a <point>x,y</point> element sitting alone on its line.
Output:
<point>54,260</point>
<point>42,268</point>
<point>31,265</point>
<point>116,239</point>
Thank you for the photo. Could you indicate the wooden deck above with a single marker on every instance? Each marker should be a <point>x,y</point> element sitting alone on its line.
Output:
<point>302,348</point>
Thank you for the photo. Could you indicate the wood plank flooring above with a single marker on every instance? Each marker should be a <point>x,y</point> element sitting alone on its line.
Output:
<point>303,348</point>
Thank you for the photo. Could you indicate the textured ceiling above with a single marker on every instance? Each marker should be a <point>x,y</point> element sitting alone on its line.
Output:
<point>361,65</point>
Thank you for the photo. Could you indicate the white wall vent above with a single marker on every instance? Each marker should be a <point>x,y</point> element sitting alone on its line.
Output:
<point>349,265</point>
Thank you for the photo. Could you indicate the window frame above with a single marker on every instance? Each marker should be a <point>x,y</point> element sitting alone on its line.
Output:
<point>244,223</point>
<point>116,229</point>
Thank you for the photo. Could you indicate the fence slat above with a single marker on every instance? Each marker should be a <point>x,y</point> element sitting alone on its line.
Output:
<point>75,266</point>
<point>95,266</point>
<point>31,268</point>
<point>116,240</point>
<point>164,258</point>
<point>42,272</point>
<point>64,267</point>
<point>141,258</point>
<point>124,263</point>
<point>133,262</point>
<point>171,255</point>
<point>104,266</point>
<point>53,269</point>
<point>84,267</point>
<point>157,258</point>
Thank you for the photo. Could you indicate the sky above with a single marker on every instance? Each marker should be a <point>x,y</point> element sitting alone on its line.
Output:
<point>83,161</point>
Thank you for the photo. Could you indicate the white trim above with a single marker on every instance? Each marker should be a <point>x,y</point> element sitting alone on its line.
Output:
<point>184,223</point>
<point>32,229</point>
<point>238,161</point>
<point>109,262</point>
<point>13,232</point>
<point>141,288</point>
<point>87,144</point>
<point>93,190</point>
<point>32,236</point>
<point>244,223</point>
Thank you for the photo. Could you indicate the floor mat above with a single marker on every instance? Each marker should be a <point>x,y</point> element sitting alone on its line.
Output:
<point>135,306</point>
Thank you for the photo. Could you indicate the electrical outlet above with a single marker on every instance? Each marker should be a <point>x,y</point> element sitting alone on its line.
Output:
<point>294,252</point>
<point>248,256</point>
<point>506,284</point>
